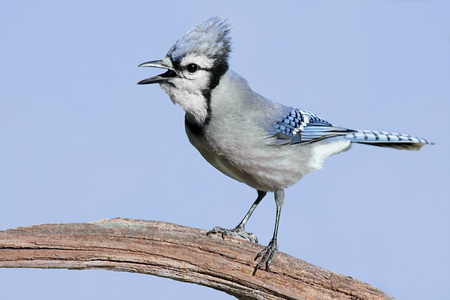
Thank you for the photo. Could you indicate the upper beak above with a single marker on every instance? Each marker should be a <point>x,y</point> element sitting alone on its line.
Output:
<point>165,63</point>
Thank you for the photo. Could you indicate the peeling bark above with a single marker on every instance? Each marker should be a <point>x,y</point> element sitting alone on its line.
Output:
<point>176,252</point>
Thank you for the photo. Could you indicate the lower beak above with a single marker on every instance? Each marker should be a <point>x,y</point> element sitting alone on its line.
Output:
<point>164,63</point>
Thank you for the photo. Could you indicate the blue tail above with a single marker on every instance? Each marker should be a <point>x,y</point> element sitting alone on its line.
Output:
<point>388,139</point>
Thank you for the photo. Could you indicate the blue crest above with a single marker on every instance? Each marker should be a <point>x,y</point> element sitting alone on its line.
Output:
<point>208,38</point>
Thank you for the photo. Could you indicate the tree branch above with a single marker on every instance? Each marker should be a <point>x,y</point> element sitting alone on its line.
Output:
<point>176,252</point>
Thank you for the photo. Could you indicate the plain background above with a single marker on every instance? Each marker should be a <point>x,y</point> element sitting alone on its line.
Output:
<point>80,141</point>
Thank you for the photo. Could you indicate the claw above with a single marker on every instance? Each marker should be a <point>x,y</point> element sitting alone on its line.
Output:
<point>266,255</point>
<point>238,231</point>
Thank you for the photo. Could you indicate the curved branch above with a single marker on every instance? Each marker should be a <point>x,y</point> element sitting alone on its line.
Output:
<point>176,252</point>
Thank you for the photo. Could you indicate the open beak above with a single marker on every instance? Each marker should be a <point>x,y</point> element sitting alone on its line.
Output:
<point>164,63</point>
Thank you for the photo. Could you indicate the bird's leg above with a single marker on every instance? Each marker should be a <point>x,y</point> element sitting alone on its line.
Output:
<point>239,230</point>
<point>267,253</point>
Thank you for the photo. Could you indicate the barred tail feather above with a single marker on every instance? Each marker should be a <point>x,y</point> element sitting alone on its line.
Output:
<point>394,140</point>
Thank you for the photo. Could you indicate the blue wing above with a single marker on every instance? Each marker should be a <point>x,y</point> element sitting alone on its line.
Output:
<point>300,126</point>
<point>304,127</point>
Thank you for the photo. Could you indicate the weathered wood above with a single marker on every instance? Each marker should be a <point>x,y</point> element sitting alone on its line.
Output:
<point>176,252</point>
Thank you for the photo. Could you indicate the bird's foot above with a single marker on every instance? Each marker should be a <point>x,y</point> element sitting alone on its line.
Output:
<point>238,231</point>
<point>266,255</point>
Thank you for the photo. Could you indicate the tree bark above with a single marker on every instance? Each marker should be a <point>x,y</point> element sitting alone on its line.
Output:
<point>176,252</point>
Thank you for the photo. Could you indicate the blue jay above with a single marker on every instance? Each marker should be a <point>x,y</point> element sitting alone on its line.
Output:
<point>246,136</point>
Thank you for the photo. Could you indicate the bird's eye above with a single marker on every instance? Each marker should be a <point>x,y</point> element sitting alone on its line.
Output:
<point>192,68</point>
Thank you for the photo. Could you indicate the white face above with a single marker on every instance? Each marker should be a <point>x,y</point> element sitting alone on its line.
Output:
<point>186,89</point>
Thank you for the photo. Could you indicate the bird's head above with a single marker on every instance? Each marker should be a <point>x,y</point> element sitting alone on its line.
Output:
<point>194,67</point>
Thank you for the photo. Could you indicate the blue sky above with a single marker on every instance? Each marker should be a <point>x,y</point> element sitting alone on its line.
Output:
<point>80,141</point>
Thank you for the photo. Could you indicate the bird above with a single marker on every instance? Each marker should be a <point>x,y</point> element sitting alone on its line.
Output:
<point>248,137</point>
